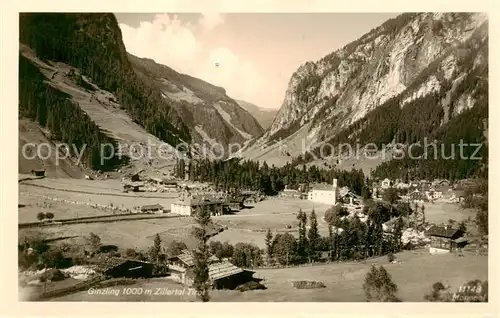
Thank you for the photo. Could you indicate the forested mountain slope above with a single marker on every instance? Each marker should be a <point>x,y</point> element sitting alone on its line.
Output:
<point>212,116</point>
<point>419,75</point>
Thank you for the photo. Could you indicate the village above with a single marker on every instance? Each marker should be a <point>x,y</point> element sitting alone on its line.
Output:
<point>113,248</point>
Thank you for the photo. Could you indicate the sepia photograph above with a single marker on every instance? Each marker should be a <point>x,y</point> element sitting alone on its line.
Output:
<point>252,157</point>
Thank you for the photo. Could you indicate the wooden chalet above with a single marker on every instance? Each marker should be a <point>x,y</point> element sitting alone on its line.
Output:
<point>222,274</point>
<point>445,239</point>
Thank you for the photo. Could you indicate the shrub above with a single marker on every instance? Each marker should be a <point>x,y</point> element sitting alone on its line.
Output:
<point>306,284</point>
<point>253,285</point>
<point>53,275</point>
<point>390,257</point>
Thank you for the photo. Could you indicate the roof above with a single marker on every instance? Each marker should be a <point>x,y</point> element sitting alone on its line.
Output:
<point>224,269</point>
<point>152,207</point>
<point>197,201</point>
<point>461,240</point>
<point>322,187</point>
<point>112,262</point>
<point>133,184</point>
<point>442,231</point>
<point>187,258</point>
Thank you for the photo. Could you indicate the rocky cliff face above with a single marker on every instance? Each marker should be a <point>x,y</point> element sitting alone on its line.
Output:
<point>211,115</point>
<point>410,56</point>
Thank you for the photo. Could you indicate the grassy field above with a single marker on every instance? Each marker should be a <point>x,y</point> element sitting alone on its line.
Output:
<point>440,212</point>
<point>70,198</point>
<point>414,277</point>
<point>251,225</point>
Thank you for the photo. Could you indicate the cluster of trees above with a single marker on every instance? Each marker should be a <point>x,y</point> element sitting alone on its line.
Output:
<point>349,238</point>
<point>359,240</point>
<point>92,42</point>
<point>234,175</point>
<point>477,197</point>
<point>66,121</point>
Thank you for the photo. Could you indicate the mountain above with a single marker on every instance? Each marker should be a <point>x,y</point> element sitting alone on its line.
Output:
<point>264,116</point>
<point>210,114</point>
<point>417,75</point>
<point>79,86</point>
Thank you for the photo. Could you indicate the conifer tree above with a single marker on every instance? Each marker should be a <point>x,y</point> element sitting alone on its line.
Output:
<point>313,236</point>
<point>201,253</point>
<point>269,247</point>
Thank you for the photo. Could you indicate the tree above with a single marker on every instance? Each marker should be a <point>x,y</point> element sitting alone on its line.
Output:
<point>175,248</point>
<point>313,236</point>
<point>94,241</point>
<point>391,196</point>
<point>437,294</point>
<point>390,257</point>
<point>302,241</point>
<point>462,227</point>
<point>246,255</point>
<point>155,250</point>
<point>130,253</point>
<point>227,250</point>
<point>397,233</point>
<point>423,215</point>
<point>269,247</point>
<point>201,253</point>
<point>40,216</point>
<point>49,215</point>
<point>221,250</point>
<point>333,214</point>
<point>285,248</point>
<point>181,169</point>
<point>378,286</point>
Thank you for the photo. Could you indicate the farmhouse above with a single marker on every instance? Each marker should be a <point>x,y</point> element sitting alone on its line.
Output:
<point>417,196</point>
<point>189,206</point>
<point>122,267</point>
<point>386,183</point>
<point>445,239</point>
<point>433,194</point>
<point>132,186</point>
<point>152,208</point>
<point>326,194</point>
<point>222,274</point>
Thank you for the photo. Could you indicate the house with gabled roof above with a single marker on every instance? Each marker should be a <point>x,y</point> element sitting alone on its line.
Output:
<point>445,239</point>
<point>222,274</point>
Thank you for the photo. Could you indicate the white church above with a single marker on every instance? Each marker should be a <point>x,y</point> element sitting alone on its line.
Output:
<point>323,193</point>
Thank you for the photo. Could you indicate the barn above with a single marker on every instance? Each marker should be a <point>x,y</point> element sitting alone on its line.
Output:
<point>445,239</point>
<point>122,267</point>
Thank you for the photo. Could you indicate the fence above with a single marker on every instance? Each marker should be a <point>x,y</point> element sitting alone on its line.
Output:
<point>99,219</point>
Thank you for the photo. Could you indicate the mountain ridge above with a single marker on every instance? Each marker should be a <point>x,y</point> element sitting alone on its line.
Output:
<point>200,105</point>
<point>407,58</point>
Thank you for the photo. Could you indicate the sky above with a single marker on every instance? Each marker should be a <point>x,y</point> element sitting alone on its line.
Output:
<point>251,55</point>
